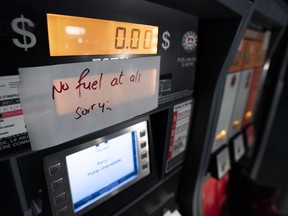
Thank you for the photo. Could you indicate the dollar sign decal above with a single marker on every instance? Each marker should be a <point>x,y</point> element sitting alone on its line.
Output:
<point>165,36</point>
<point>22,31</point>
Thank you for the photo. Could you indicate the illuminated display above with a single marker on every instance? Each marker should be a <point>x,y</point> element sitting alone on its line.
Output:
<point>101,169</point>
<point>221,135</point>
<point>69,35</point>
<point>96,170</point>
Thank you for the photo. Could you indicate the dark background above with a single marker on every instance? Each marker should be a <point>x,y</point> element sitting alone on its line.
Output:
<point>274,167</point>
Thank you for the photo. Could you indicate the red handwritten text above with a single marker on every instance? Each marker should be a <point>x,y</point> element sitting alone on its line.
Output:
<point>136,77</point>
<point>96,84</point>
<point>63,87</point>
<point>117,80</point>
<point>81,111</point>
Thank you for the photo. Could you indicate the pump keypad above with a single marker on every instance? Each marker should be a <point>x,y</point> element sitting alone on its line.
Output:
<point>57,184</point>
<point>53,170</point>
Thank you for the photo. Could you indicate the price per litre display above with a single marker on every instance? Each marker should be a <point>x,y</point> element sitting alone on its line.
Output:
<point>69,35</point>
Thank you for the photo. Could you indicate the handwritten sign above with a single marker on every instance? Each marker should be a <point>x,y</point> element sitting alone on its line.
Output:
<point>63,102</point>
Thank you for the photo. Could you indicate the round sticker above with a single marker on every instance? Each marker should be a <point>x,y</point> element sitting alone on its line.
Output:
<point>189,41</point>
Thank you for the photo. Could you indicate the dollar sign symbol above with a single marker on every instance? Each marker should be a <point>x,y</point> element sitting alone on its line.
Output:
<point>22,31</point>
<point>165,36</point>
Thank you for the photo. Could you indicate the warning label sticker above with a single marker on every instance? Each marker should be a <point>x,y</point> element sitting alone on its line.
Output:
<point>179,134</point>
<point>13,133</point>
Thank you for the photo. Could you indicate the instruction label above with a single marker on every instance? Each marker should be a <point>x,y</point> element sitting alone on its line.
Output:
<point>13,133</point>
<point>179,134</point>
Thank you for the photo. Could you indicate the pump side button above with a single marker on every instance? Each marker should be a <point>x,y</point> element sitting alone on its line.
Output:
<point>53,170</point>
<point>57,184</point>
<point>63,211</point>
<point>60,198</point>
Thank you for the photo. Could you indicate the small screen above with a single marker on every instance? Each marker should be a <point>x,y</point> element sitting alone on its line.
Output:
<point>70,35</point>
<point>101,169</point>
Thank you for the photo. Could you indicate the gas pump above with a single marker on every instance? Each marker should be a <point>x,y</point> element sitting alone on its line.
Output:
<point>96,104</point>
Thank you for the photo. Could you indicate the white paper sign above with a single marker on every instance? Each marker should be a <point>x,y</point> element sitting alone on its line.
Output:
<point>63,102</point>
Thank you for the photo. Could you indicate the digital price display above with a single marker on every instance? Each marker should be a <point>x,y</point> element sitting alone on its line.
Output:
<point>70,35</point>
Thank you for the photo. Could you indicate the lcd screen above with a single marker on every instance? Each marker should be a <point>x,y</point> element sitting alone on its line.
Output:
<point>101,169</point>
<point>70,35</point>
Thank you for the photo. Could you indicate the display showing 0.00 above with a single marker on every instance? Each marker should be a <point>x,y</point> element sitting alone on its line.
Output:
<point>134,39</point>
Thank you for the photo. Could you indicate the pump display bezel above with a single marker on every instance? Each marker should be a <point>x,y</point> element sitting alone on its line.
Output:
<point>57,176</point>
